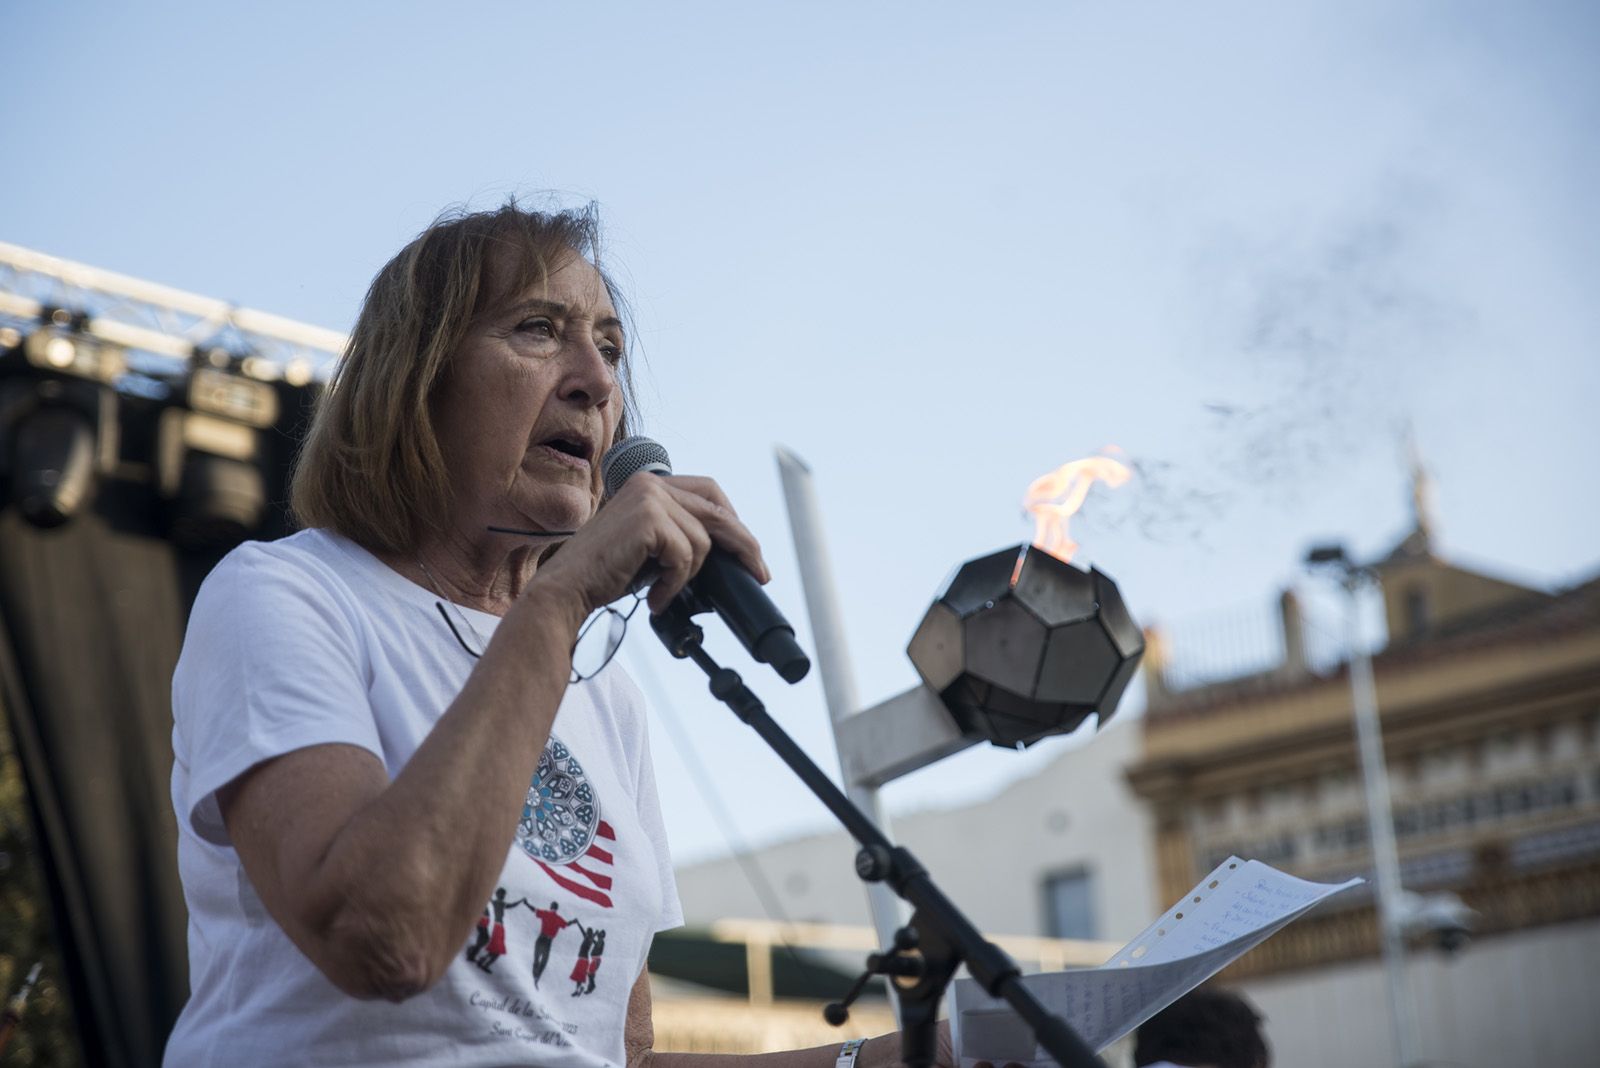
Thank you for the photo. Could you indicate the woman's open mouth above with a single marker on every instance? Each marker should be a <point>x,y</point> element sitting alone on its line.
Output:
<point>565,452</point>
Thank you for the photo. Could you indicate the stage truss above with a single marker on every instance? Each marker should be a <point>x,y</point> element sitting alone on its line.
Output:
<point>162,328</point>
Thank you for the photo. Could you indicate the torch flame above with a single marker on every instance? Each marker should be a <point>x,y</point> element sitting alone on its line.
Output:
<point>1055,498</point>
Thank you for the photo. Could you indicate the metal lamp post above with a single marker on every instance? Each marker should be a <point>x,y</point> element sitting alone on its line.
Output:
<point>1380,818</point>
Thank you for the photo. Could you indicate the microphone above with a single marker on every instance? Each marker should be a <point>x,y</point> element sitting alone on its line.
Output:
<point>722,583</point>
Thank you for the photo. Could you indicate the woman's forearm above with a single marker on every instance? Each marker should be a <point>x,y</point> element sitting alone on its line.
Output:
<point>407,875</point>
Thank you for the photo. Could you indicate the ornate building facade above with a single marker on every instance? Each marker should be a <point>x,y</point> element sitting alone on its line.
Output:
<point>1489,697</point>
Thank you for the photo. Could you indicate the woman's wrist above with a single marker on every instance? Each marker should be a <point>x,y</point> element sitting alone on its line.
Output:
<point>557,604</point>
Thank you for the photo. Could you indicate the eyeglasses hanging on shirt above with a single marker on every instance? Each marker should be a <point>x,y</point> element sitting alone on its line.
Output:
<point>598,639</point>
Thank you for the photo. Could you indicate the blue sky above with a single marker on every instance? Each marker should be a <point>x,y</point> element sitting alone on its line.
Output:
<point>937,249</point>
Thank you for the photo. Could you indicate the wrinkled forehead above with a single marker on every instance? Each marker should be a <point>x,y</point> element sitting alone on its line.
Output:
<point>516,272</point>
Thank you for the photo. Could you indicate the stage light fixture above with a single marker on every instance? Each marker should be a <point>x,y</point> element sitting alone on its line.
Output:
<point>208,448</point>
<point>58,414</point>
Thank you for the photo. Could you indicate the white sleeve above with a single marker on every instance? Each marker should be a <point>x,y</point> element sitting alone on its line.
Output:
<point>272,662</point>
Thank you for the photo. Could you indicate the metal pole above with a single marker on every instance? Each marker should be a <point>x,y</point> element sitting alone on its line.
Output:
<point>833,660</point>
<point>1380,829</point>
<point>816,577</point>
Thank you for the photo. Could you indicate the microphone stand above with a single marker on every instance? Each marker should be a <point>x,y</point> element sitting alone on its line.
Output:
<point>939,938</point>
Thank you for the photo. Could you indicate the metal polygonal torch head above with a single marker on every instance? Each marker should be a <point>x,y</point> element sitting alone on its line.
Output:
<point>1021,645</point>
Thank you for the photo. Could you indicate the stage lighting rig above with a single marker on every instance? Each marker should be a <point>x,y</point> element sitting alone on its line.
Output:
<point>209,454</point>
<point>58,414</point>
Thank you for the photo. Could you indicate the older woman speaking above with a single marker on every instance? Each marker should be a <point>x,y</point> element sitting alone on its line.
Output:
<point>410,831</point>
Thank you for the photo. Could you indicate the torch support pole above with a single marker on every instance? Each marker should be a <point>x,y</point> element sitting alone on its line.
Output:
<point>833,666</point>
<point>941,937</point>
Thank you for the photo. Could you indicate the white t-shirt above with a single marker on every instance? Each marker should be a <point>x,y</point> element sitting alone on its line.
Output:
<point>311,640</point>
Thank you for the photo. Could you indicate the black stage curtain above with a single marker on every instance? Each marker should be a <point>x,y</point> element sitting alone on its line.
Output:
<point>91,620</point>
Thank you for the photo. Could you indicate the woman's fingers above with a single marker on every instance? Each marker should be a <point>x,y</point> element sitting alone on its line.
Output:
<point>705,487</point>
<point>704,499</point>
<point>668,524</point>
<point>682,550</point>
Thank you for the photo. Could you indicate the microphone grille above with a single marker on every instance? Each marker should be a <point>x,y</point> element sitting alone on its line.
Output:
<point>630,456</point>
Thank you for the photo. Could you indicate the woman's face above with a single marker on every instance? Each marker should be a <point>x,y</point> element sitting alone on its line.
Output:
<point>529,403</point>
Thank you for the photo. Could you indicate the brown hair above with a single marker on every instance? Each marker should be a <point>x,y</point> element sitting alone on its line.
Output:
<point>371,467</point>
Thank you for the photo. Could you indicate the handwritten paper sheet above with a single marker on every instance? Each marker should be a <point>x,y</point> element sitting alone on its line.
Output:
<point>1229,912</point>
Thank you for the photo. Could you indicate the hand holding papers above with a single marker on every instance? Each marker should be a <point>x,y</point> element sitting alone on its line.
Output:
<point>1229,912</point>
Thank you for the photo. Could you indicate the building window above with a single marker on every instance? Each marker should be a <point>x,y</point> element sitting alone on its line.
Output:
<point>1416,612</point>
<point>1069,904</point>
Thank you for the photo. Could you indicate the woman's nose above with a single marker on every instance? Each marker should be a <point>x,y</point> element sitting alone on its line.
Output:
<point>590,375</point>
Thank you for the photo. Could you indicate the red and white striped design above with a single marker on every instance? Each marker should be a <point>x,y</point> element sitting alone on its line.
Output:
<point>590,875</point>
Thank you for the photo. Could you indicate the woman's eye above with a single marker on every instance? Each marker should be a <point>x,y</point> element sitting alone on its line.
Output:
<point>539,327</point>
<point>612,352</point>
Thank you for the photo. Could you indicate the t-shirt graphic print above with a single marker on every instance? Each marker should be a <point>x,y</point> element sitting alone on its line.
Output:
<point>555,929</point>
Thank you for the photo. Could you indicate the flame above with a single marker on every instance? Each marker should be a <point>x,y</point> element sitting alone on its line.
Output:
<point>1055,498</point>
